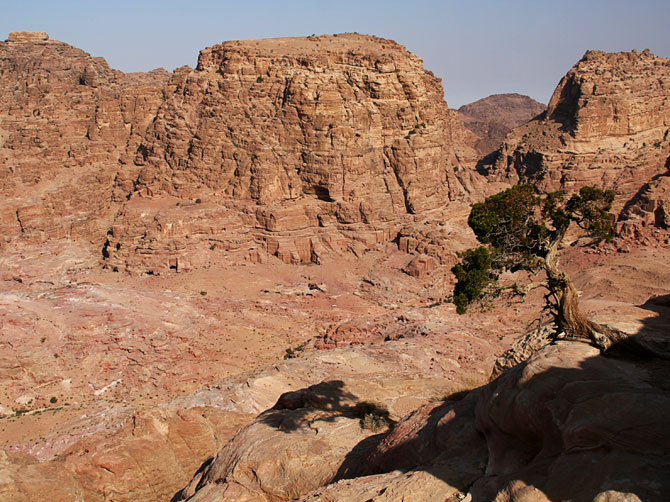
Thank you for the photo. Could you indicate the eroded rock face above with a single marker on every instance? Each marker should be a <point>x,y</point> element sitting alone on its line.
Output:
<point>646,217</point>
<point>66,121</point>
<point>607,124</point>
<point>316,142</point>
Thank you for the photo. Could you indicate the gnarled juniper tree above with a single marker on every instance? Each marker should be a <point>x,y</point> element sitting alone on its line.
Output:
<point>520,230</point>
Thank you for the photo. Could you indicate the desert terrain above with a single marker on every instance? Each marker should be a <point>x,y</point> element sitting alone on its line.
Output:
<point>232,282</point>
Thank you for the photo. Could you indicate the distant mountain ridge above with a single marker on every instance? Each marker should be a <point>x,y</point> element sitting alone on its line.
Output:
<point>493,117</point>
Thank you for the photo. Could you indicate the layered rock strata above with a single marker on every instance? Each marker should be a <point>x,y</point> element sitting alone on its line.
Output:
<point>66,122</point>
<point>607,124</point>
<point>318,144</point>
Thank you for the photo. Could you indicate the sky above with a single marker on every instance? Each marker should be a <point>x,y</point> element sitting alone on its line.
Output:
<point>477,47</point>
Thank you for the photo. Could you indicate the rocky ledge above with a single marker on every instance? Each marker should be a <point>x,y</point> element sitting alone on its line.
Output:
<point>568,424</point>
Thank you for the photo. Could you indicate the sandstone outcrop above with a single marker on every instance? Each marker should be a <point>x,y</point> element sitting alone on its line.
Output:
<point>66,121</point>
<point>297,148</point>
<point>646,217</point>
<point>317,145</point>
<point>564,425</point>
<point>491,118</point>
<point>607,124</point>
<point>129,453</point>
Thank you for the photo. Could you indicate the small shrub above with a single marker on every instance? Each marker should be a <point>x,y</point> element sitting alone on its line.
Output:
<point>259,79</point>
<point>373,417</point>
<point>53,400</point>
<point>290,353</point>
<point>198,200</point>
<point>203,293</point>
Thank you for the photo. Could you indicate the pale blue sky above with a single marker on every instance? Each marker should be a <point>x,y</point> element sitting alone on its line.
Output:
<point>478,47</point>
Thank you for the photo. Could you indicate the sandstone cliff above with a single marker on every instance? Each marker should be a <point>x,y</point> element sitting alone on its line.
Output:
<point>607,124</point>
<point>66,121</point>
<point>297,148</point>
<point>315,144</point>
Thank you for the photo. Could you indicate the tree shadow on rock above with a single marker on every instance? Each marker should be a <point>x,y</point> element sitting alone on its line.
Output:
<point>325,401</point>
<point>584,426</point>
<point>434,436</point>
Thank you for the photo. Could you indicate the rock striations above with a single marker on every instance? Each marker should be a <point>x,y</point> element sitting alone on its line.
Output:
<point>314,144</point>
<point>564,425</point>
<point>607,124</point>
<point>296,147</point>
<point>66,121</point>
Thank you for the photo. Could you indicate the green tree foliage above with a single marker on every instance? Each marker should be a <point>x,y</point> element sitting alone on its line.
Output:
<point>520,230</point>
<point>474,275</point>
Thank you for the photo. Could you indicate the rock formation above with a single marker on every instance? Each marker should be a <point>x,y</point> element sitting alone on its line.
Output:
<point>565,425</point>
<point>132,453</point>
<point>118,387</point>
<point>66,121</point>
<point>646,217</point>
<point>292,147</point>
<point>490,119</point>
<point>607,124</point>
<point>318,144</point>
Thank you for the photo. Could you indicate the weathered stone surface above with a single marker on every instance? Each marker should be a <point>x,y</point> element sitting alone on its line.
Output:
<point>115,350</point>
<point>27,36</point>
<point>66,120</point>
<point>326,142</point>
<point>607,124</point>
<point>568,423</point>
<point>565,425</point>
<point>646,217</point>
<point>323,432</point>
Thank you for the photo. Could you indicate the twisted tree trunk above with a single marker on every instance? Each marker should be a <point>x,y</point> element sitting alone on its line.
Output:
<point>569,316</point>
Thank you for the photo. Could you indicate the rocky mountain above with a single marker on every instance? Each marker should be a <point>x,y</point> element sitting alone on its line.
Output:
<point>607,124</point>
<point>217,189</point>
<point>66,122</point>
<point>491,118</point>
<point>295,147</point>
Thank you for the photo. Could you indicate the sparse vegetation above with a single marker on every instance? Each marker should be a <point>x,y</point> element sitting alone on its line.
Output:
<point>374,417</point>
<point>522,232</point>
<point>290,353</point>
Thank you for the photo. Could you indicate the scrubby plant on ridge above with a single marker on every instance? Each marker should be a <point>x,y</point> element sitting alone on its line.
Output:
<point>520,230</point>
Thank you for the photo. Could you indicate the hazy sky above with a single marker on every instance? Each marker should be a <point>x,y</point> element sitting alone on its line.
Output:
<point>478,47</point>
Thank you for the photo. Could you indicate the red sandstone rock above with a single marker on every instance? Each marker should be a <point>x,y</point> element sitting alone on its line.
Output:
<point>325,141</point>
<point>66,120</point>
<point>607,124</point>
